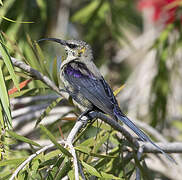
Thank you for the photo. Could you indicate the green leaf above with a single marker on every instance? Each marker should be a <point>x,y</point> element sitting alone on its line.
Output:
<point>55,72</point>
<point>48,109</point>
<point>35,165</point>
<point>101,155</point>
<point>12,161</point>
<point>165,34</point>
<point>101,174</point>
<point>22,138</point>
<point>21,93</point>
<point>52,154</point>
<point>1,117</point>
<point>91,169</point>
<point>30,54</point>
<point>64,170</point>
<point>52,138</point>
<point>41,59</point>
<point>32,91</point>
<point>87,150</point>
<point>1,3</point>
<point>71,175</point>
<point>7,60</point>
<point>23,175</point>
<point>13,21</point>
<point>84,14</point>
<point>23,74</point>
<point>102,125</point>
<point>4,98</point>
<point>5,175</point>
<point>43,8</point>
<point>83,149</point>
<point>89,142</point>
<point>56,161</point>
<point>12,34</point>
<point>102,138</point>
<point>109,176</point>
<point>6,6</point>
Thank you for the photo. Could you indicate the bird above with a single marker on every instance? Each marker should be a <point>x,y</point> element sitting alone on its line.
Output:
<point>88,88</point>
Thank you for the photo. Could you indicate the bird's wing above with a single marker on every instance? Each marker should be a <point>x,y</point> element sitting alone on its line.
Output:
<point>95,89</point>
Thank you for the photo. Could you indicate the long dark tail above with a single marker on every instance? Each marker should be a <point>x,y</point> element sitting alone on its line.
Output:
<point>140,133</point>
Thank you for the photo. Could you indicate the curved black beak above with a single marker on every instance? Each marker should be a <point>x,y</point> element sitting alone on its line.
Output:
<point>60,41</point>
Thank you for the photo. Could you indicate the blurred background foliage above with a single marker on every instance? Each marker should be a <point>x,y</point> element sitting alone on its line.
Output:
<point>137,43</point>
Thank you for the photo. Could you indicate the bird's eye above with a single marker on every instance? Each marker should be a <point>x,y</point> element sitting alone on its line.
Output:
<point>72,46</point>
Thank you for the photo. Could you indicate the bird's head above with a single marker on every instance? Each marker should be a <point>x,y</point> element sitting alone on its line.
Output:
<point>74,48</point>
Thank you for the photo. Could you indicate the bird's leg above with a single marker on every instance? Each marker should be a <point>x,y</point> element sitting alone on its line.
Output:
<point>84,113</point>
<point>87,118</point>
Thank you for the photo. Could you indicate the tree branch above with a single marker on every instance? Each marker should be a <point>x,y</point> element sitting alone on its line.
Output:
<point>78,125</point>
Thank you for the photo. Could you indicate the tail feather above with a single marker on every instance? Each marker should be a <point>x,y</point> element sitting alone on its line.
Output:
<point>140,133</point>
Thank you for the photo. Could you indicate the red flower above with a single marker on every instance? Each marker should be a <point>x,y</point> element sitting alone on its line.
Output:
<point>162,9</point>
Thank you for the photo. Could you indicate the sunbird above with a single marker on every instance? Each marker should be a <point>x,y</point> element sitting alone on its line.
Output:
<point>87,87</point>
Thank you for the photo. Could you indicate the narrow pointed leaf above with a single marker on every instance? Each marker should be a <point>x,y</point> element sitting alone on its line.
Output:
<point>87,150</point>
<point>52,154</point>
<point>7,61</point>
<point>101,174</point>
<point>91,170</point>
<point>41,59</point>
<point>22,138</point>
<point>11,161</point>
<point>64,170</point>
<point>4,98</point>
<point>55,72</point>
<point>109,176</point>
<point>117,91</point>
<point>13,21</point>
<point>23,92</point>
<point>52,138</point>
<point>1,117</point>
<point>48,109</point>
<point>6,6</point>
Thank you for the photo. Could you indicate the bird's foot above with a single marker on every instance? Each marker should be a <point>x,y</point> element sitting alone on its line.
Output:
<point>85,117</point>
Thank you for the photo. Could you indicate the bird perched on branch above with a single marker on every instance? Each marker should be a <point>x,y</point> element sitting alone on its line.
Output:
<point>85,84</point>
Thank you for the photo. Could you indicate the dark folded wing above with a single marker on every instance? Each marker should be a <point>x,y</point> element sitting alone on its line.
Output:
<point>95,89</point>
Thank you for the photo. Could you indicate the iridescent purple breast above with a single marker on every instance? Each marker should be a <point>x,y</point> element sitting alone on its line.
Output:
<point>78,71</point>
<point>73,72</point>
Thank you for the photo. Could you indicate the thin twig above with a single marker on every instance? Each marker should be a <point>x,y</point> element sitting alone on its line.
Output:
<point>81,171</point>
<point>75,161</point>
<point>78,125</point>
<point>139,155</point>
<point>150,130</point>
<point>174,147</point>
<point>30,158</point>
